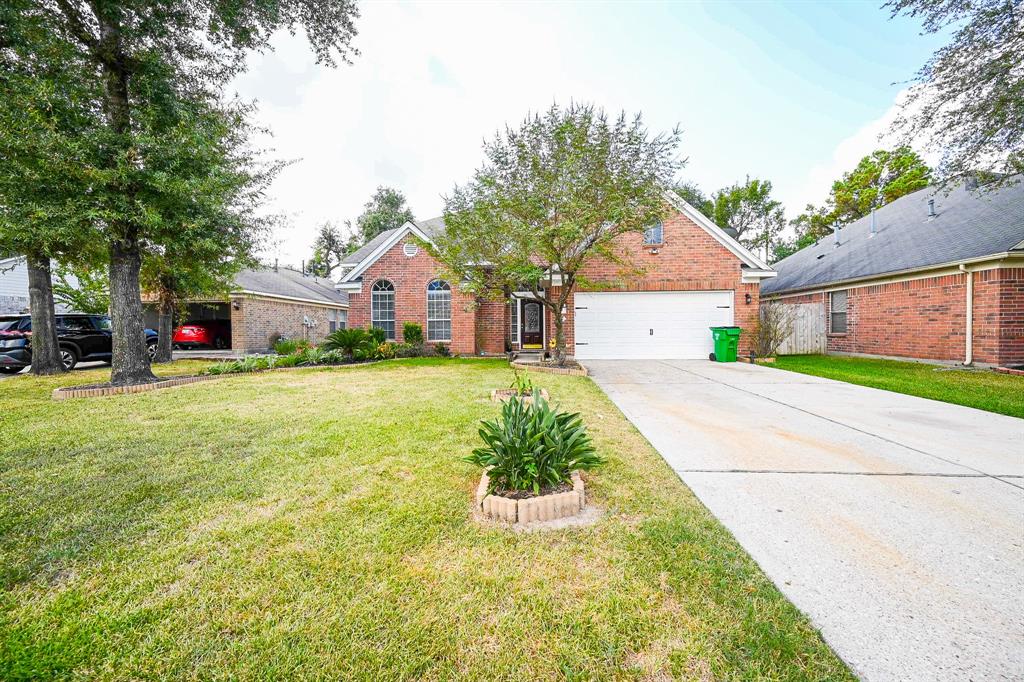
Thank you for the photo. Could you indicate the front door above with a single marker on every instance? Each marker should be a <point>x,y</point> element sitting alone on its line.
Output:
<point>533,325</point>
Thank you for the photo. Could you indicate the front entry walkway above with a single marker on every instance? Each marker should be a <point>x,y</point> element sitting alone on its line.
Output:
<point>895,523</point>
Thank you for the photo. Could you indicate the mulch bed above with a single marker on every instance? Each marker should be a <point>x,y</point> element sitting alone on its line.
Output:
<point>528,494</point>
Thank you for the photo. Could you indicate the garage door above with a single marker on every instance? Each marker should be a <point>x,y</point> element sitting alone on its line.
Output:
<point>664,324</point>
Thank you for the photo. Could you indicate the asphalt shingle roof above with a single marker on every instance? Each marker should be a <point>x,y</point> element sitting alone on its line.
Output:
<point>970,223</point>
<point>431,228</point>
<point>288,282</point>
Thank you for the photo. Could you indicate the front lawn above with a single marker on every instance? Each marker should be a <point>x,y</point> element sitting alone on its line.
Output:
<point>983,389</point>
<point>316,524</point>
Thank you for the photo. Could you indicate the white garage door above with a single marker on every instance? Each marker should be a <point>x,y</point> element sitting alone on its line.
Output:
<point>663,324</point>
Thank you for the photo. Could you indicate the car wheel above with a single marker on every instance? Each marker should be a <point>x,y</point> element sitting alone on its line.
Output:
<point>151,351</point>
<point>68,358</point>
<point>10,370</point>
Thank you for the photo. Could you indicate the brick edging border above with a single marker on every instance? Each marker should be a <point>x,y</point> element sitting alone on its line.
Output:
<point>74,392</point>
<point>1009,370</point>
<point>567,371</point>
<point>543,508</point>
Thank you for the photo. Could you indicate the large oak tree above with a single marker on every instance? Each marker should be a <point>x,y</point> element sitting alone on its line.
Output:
<point>140,70</point>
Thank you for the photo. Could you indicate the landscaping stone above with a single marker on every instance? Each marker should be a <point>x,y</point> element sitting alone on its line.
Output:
<point>580,371</point>
<point>100,391</point>
<point>532,509</point>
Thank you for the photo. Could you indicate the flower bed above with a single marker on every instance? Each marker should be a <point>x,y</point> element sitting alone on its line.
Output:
<point>575,370</point>
<point>532,458</point>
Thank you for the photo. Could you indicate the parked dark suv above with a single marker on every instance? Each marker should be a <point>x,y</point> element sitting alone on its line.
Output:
<point>81,337</point>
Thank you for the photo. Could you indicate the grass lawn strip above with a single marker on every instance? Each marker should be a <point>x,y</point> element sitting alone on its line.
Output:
<point>981,389</point>
<point>317,524</point>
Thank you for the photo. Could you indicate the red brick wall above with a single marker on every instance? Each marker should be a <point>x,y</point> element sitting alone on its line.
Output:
<point>922,318</point>
<point>689,260</point>
<point>926,318</point>
<point>999,316</point>
<point>410,276</point>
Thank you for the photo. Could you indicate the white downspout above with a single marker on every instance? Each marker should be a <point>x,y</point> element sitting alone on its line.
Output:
<point>969,326</point>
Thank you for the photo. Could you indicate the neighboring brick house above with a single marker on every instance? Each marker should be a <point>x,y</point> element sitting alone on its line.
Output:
<point>269,303</point>
<point>934,275</point>
<point>688,275</point>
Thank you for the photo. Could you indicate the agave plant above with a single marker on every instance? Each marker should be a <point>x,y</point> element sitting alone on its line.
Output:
<point>533,446</point>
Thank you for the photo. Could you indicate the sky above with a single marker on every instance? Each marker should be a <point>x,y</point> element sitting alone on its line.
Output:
<point>795,93</point>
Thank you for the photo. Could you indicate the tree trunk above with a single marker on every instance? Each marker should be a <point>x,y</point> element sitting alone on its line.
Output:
<point>45,350</point>
<point>165,330</point>
<point>130,361</point>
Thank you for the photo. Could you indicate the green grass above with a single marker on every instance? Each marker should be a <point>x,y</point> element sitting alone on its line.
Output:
<point>983,389</point>
<point>317,524</point>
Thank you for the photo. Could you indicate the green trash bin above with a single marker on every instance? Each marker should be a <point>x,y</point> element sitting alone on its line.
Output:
<point>727,339</point>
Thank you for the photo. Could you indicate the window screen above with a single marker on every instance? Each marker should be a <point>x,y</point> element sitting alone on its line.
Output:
<point>837,310</point>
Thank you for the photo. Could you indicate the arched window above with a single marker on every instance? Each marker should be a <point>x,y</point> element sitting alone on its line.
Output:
<point>382,307</point>
<point>439,311</point>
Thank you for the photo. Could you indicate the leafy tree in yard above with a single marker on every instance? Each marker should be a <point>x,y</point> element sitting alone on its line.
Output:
<point>969,100</point>
<point>554,193</point>
<point>219,228</point>
<point>749,209</point>
<point>384,211</point>
<point>134,75</point>
<point>50,146</point>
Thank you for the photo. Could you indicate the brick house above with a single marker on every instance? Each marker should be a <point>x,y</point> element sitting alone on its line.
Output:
<point>687,275</point>
<point>934,275</point>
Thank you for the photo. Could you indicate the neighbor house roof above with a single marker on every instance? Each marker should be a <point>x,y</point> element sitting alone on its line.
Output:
<point>969,224</point>
<point>290,284</point>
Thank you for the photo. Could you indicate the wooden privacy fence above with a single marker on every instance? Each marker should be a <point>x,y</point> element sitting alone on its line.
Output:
<point>808,335</point>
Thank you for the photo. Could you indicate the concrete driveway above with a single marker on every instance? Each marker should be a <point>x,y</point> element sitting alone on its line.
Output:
<point>895,523</point>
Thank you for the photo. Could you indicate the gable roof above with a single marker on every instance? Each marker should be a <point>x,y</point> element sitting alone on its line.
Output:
<point>969,224</point>
<point>288,283</point>
<point>359,260</point>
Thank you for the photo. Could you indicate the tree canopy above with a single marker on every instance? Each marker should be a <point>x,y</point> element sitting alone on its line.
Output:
<point>553,193</point>
<point>748,208</point>
<point>384,211</point>
<point>968,102</point>
<point>878,179</point>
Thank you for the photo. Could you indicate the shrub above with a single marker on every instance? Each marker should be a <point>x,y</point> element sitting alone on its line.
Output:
<point>250,363</point>
<point>286,346</point>
<point>385,351</point>
<point>532,447</point>
<point>521,383</point>
<point>345,340</point>
<point>288,360</point>
<point>442,350</point>
<point>313,356</point>
<point>407,350</point>
<point>377,335</point>
<point>774,325</point>
<point>412,333</point>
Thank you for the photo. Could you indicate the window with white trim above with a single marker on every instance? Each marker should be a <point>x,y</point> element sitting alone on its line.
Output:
<point>513,320</point>
<point>837,301</point>
<point>655,234</point>
<point>439,311</point>
<point>382,307</point>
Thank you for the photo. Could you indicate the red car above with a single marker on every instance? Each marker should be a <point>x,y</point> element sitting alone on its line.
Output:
<point>205,333</point>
